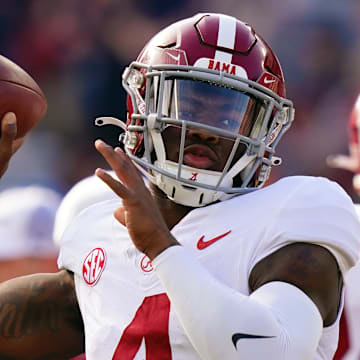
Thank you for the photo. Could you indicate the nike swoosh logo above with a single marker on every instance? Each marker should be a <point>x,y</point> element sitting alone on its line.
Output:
<point>201,244</point>
<point>268,81</point>
<point>236,337</point>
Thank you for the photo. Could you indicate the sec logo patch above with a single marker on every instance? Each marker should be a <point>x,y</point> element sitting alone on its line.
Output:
<point>93,266</point>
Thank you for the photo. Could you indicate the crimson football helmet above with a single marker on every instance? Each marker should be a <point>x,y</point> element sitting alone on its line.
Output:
<point>205,88</point>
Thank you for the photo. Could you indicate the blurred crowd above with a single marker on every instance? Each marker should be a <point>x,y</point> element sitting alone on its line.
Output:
<point>77,51</point>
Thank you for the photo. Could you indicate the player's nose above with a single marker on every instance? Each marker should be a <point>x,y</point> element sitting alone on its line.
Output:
<point>204,136</point>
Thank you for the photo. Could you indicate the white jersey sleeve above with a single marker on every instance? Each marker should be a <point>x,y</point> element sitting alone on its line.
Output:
<point>83,194</point>
<point>277,319</point>
<point>84,233</point>
<point>314,210</point>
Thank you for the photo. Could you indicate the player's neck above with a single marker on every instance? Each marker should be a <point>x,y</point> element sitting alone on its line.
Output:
<point>171,211</point>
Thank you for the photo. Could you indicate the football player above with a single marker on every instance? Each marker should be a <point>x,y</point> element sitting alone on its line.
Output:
<point>350,325</point>
<point>208,262</point>
<point>351,162</point>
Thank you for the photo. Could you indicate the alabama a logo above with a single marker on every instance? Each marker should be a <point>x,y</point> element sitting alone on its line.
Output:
<point>93,266</point>
<point>146,265</point>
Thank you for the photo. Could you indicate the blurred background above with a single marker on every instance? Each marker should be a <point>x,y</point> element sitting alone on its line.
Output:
<point>77,50</point>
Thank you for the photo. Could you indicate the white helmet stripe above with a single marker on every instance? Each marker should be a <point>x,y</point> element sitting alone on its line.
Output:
<point>226,37</point>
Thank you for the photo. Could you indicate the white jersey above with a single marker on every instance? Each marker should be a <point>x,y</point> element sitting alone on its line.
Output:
<point>125,310</point>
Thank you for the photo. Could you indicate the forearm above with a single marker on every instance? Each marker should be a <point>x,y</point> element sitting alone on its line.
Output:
<point>38,318</point>
<point>220,321</point>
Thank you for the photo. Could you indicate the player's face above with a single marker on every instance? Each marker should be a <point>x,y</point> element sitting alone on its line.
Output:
<point>211,105</point>
<point>203,149</point>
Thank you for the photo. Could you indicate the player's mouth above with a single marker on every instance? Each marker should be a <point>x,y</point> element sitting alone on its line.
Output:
<point>200,156</point>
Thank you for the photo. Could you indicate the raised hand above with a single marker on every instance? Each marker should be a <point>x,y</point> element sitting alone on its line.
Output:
<point>347,162</point>
<point>8,144</point>
<point>139,213</point>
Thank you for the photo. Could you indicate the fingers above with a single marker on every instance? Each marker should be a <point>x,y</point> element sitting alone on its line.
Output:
<point>114,185</point>
<point>117,188</point>
<point>120,163</point>
<point>8,130</point>
<point>343,162</point>
<point>7,140</point>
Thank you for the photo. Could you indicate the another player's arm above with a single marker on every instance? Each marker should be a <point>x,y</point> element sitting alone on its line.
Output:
<point>40,318</point>
<point>311,268</point>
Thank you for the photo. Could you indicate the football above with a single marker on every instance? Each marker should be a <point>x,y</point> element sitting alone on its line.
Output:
<point>20,94</point>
